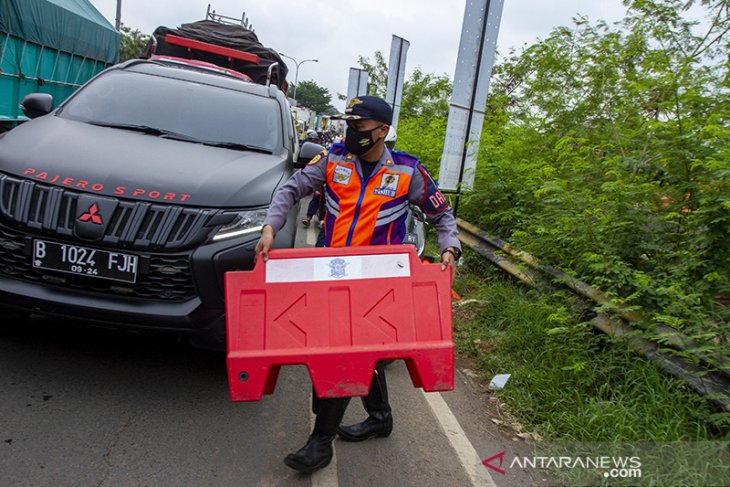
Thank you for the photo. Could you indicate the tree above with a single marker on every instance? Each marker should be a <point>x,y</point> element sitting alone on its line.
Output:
<point>423,94</point>
<point>314,97</point>
<point>133,43</point>
<point>423,111</point>
<point>377,74</point>
<point>606,151</point>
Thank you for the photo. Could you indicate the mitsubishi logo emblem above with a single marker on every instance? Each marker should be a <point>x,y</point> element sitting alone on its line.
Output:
<point>90,224</point>
<point>92,214</point>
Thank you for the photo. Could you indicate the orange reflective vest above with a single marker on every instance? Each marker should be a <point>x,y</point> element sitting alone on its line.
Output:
<point>371,211</point>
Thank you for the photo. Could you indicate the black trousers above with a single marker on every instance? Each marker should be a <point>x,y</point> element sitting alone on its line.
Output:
<point>331,410</point>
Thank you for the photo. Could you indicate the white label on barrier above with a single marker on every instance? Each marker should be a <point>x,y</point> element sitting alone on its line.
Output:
<point>338,268</point>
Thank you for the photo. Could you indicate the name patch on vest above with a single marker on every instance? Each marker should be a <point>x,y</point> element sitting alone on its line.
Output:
<point>342,175</point>
<point>388,185</point>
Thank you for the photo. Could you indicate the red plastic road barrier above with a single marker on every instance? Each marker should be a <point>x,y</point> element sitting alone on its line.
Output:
<point>338,311</point>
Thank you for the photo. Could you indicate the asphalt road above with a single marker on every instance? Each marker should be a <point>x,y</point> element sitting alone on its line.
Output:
<point>83,406</point>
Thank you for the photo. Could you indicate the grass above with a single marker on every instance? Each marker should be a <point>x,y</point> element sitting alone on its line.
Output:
<point>568,381</point>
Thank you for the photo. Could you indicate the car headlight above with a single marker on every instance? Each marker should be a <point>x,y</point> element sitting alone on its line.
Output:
<point>245,223</point>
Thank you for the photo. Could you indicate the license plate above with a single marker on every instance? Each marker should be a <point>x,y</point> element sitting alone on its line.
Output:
<point>84,261</point>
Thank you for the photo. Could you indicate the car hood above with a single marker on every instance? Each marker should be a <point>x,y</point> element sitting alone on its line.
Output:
<point>126,164</point>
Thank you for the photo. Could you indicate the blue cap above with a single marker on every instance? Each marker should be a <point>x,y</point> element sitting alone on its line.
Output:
<point>367,108</point>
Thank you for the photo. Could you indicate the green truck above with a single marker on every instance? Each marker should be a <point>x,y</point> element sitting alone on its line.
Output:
<point>50,46</point>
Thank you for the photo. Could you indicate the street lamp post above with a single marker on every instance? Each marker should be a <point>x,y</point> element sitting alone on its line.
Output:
<point>296,73</point>
<point>118,22</point>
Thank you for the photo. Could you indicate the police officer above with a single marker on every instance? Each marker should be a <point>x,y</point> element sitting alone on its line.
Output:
<point>367,192</point>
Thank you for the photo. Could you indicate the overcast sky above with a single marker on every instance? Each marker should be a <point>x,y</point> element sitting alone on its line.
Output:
<point>337,31</point>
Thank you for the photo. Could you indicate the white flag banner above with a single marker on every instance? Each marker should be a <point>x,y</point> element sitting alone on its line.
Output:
<point>477,49</point>
<point>357,84</point>
<point>396,74</point>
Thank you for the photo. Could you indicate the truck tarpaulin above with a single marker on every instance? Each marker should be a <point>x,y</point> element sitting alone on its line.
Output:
<point>72,26</point>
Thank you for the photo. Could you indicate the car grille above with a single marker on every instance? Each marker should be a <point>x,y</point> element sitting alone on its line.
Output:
<point>162,277</point>
<point>50,210</point>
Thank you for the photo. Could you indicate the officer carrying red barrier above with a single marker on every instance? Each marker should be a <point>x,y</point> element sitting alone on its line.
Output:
<point>367,192</point>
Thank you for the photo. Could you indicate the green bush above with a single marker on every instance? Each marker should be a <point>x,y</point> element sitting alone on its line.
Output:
<point>606,152</point>
<point>568,381</point>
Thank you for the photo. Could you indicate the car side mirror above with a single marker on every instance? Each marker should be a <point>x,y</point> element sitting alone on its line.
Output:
<point>308,151</point>
<point>35,105</point>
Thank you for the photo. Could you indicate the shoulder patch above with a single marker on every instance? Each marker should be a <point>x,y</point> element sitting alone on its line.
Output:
<point>316,158</point>
<point>433,201</point>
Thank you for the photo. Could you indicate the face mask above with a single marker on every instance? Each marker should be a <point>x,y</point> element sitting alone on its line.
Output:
<point>359,143</point>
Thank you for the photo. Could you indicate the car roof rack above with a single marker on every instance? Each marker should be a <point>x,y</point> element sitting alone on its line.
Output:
<point>223,19</point>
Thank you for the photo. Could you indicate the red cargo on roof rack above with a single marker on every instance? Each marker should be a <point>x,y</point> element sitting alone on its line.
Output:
<point>228,46</point>
<point>338,311</point>
<point>212,48</point>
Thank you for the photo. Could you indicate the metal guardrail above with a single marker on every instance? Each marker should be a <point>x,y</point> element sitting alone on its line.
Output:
<point>714,382</point>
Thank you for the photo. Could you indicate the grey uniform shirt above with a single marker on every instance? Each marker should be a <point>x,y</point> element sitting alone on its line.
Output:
<point>314,175</point>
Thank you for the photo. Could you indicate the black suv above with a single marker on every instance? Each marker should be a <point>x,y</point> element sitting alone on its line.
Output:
<point>128,203</point>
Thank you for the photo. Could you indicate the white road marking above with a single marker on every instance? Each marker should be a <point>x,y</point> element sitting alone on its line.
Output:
<point>468,456</point>
<point>326,477</point>
<point>312,234</point>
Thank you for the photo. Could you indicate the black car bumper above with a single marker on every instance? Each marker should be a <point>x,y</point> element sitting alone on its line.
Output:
<point>182,291</point>
<point>168,303</point>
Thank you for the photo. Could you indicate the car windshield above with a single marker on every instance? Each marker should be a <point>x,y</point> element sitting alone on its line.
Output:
<point>179,109</point>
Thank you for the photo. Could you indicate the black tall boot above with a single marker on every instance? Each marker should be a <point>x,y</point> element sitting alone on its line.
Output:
<point>317,453</point>
<point>379,423</point>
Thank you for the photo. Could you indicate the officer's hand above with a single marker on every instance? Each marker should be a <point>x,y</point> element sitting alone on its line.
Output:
<point>448,259</point>
<point>265,242</point>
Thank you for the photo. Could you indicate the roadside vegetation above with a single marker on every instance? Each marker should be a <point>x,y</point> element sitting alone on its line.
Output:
<point>606,153</point>
<point>568,381</point>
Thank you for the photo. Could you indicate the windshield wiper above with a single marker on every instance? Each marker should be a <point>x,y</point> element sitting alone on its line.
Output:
<point>146,129</point>
<point>224,145</point>
<point>235,146</point>
<point>168,134</point>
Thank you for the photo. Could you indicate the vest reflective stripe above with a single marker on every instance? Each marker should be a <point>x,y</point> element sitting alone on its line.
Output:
<point>358,210</point>
<point>391,214</point>
<point>332,206</point>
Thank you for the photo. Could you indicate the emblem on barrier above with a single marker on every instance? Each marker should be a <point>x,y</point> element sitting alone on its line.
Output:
<point>337,268</point>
